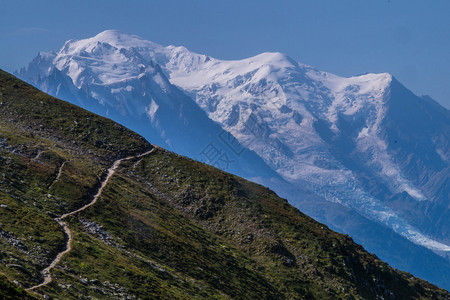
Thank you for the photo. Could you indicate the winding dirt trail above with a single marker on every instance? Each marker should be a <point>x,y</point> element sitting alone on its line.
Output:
<point>58,175</point>
<point>46,272</point>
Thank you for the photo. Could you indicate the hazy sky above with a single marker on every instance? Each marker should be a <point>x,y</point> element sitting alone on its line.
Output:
<point>409,39</point>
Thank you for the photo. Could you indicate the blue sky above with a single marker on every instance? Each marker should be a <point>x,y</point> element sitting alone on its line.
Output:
<point>409,39</point>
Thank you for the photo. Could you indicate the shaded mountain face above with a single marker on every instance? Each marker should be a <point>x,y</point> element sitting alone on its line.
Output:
<point>355,153</point>
<point>163,226</point>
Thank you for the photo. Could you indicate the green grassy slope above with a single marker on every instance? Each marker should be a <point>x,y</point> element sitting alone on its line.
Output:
<point>9,290</point>
<point>165,226</point>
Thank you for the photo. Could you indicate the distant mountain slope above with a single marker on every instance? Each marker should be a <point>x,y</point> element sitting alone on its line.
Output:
<point>355,153</point>
<point>164,226</point>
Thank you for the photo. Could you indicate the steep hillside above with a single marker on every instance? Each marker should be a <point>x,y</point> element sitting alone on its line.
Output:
<point>136,221</point>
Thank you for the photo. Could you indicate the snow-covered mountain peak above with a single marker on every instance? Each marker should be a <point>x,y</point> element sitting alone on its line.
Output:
<point>363,94</point>
<point>364,83</point>
<point>113,38</point>
<point>107,58</point>
<point>278,59</point>
<point>271,62</point>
